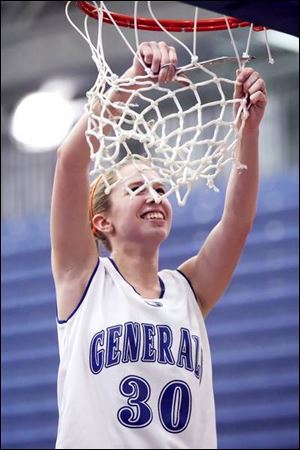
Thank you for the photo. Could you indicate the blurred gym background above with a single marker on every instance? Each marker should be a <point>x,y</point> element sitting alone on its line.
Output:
<point>254,328</point>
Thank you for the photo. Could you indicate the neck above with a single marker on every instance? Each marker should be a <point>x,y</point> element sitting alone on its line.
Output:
<point>139,267</point>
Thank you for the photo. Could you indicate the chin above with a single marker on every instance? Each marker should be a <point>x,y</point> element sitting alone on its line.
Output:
<point>159,234</point>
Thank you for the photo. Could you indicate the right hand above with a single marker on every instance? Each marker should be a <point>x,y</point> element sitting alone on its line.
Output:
<point>159,57</point>
<point>251,84</point>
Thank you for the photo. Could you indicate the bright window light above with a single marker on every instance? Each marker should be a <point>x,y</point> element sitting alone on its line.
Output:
<point>281,40</point>
<point>41,121</point>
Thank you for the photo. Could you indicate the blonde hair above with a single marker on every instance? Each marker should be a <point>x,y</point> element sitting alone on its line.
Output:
<point>99,203</point>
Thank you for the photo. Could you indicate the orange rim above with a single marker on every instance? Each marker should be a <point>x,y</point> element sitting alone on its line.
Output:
<point>169,24</point>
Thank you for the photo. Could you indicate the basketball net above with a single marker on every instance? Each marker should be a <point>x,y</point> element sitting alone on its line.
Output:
<point>179,135</point>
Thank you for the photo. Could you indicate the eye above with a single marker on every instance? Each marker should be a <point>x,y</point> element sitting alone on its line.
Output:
<point>160,190</point>
<point>135,188</point>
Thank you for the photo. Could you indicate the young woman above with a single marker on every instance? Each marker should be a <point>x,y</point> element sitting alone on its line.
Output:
<point>135,366</point>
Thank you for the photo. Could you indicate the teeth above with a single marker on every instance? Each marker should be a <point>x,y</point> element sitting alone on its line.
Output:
<point>153,215</point>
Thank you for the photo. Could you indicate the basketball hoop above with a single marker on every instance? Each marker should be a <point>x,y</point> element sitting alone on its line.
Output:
<point>183,142</point>
<point>169,24</point>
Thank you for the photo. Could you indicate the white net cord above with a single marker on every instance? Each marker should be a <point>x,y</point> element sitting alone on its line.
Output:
<point>177,133</point>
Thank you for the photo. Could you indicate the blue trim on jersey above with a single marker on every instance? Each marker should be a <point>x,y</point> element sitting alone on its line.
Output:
<point>191,286</point>
<point>162,285</point>
<point>82,297</point>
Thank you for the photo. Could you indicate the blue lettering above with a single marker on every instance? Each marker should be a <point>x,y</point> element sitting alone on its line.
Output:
<point>165,341</point>
<point>185,350</point>
<point>113,354</point>
<point>96,353</point>
<point>149,352</point>
<point>132,342</point>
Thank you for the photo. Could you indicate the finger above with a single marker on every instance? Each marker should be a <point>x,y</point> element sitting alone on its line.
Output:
<point>173,61</point>
<point>242,76</point>
<point>156,59</point>
<point>183,79</point>
<point>245,80</point>
<point>171,72</point>
<point>258,99</point>
<point>165,61</point>
<point>250,81</point>
<point>146,53</point>
<point>238,90</point>
<point>259,85</point>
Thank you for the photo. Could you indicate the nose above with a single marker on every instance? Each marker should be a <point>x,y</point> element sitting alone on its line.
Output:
<point>151,199</point>
<point>152,196</point>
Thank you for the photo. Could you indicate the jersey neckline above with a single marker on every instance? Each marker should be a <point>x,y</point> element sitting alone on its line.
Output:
<point>162,285</point>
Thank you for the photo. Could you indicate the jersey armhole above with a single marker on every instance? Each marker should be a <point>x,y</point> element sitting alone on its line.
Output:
<point>192,289</point>
<point>189,282</point>
<point>61,322</point>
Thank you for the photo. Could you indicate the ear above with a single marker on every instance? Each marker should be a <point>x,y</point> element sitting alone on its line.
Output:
<point>102,223</point>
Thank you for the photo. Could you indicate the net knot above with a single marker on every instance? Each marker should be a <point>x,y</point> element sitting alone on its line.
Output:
<point>123,137</point>
<point>114,78</point>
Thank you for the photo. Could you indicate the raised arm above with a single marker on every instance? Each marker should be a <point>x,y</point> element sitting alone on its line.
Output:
<point>74,253</point>
<point>210,271</point>
<point>73,246</point>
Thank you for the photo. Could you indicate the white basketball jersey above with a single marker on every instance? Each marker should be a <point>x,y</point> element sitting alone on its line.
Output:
<point>135,373</point>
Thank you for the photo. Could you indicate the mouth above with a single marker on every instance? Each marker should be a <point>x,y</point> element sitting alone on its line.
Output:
<point>153,216</point>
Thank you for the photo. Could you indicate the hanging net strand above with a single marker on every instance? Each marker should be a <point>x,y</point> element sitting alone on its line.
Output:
<point>178,134</point>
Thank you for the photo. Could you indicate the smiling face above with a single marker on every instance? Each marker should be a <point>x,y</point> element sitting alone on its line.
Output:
<point>138,219</point>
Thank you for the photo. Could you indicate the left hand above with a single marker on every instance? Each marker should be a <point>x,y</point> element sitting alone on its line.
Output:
<point>251,84</point>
